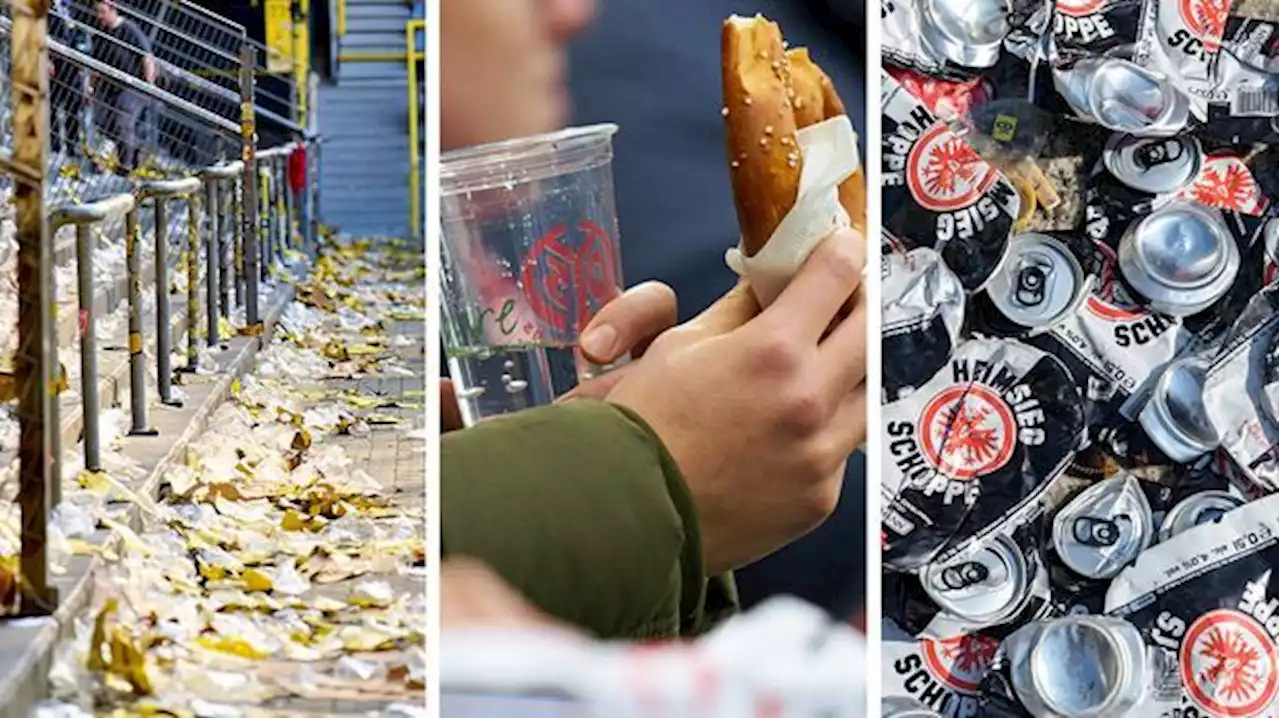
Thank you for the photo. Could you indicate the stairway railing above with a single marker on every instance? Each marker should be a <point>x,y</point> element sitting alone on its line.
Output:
<point>126,150</point>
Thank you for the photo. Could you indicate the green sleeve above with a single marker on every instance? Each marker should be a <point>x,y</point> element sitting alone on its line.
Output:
<point>580,507</point>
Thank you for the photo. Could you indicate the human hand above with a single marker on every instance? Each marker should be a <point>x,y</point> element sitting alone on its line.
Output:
<point>761,409</point>
<point>626,326</point>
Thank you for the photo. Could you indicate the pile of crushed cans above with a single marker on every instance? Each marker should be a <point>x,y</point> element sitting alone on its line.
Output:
<point>1079,457</point>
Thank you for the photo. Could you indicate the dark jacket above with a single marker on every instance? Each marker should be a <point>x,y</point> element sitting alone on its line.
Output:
<point>581,509</point>
<point>653,67</point>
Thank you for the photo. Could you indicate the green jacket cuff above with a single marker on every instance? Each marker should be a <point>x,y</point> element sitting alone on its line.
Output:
<point>582,509</point>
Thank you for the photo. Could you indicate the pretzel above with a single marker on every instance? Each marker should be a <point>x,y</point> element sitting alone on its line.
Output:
<point>770,93</point>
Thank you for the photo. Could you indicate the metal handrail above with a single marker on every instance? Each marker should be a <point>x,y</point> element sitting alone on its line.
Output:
<point>236,182</point>
<point>412,57</point>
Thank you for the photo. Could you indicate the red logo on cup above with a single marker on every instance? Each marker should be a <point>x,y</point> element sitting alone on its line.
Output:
<point>968,431</point>
<point>1206,19</point>
<point>1079,8</point>
<point>1228,665</point>
<point>944,173</point>
<point>960,662</point>
<point>566,282</point>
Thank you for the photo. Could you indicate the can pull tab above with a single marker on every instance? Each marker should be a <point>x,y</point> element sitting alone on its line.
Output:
<point>964,575</point>
<point>1154,154</point>
<point>1034,272</point>
<point>1093,531</point>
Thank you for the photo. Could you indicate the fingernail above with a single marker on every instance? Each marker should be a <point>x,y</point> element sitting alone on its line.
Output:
<point>598,341</point>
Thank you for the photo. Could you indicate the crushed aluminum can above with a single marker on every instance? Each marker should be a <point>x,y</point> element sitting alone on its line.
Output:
<point>1104,528</point>
<point>1245,367</point>
<point>985,586</point>
<point>1182,38</point>
<point>968,33</point>
<point>1157,165</point>
<point>1123,96</point>
<point>983,437</point>
<point>1113,347</point>
<point>937,191</point>
<point>1205,603</point>
<point>1200,508</point>
<point>1077,667</point>
<point>1039,285</point>
<point>1175,418</point>
<point>1180,258</point>
<point>1095,26</point>
<point>922,312</point>
<point>941,676</point>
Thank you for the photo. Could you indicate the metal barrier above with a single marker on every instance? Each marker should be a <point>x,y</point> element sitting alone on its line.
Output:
<point>417,118</point>
<point>83,216</point>
<point>125,147</point>
<point>162,191</point>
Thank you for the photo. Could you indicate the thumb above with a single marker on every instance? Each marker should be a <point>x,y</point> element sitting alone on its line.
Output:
<point>733,310</point>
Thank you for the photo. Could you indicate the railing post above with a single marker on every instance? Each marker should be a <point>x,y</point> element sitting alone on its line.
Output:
<point>164,378</point>
<point>34,361</point>
<point>224,256</point>
<point>88,349</point>
<point>193,283</point>
<point>162,191</point>
<point>54,421</point>
<point>264,191</point>
<point>237,200</point>
<point>249,190</point>
<point>279,220</point>
<point>83,217</point>
<point>211,262</point>
<point>137,349</point>
<point>287,204</point>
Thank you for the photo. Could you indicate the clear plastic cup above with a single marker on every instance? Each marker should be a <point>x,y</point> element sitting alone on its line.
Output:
<point>529,254</point>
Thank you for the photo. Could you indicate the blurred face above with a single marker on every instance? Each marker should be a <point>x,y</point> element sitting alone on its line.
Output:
<point>503,67</point>
<point>106,13</point>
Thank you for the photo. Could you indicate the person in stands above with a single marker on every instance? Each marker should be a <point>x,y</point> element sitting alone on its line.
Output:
<point>121,44</point>
<point>623,509</point>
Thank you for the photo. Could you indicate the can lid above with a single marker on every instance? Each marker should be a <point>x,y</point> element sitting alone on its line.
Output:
<point>1126,97</point>
<point>969,33</point>
<point>1104,529</point>
<point>1099,675</point>
<point>1039,283</point>
<point>1175,417</point>
<point>1199,508</point>
<point>985,585</point>
<point>1180,257</point>
<point>1157,165</point>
